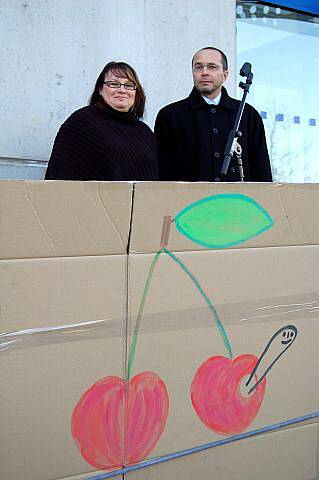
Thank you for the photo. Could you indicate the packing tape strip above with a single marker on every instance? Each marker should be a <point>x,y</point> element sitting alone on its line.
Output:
<point>206,446</point>
<point>288,309</point>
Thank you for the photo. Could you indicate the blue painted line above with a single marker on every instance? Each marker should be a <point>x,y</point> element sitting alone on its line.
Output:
<point>205,446</point>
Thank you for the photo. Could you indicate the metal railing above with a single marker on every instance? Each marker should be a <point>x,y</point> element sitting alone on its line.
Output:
<point>22,169</point>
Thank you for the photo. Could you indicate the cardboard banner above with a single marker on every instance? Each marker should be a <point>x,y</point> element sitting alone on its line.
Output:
<point>170,336</point>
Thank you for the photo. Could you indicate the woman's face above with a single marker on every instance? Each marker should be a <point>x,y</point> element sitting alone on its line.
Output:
<point>121,98</point>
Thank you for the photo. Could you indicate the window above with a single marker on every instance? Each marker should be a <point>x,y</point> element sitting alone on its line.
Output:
<point>283,48</point>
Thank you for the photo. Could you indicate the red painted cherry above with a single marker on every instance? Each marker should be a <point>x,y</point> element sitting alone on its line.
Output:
<point>227,394</point>
<point>218,397</point>
<point>118,423</point>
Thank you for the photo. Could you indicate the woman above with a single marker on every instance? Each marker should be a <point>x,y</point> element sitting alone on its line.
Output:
<point>106,140</point>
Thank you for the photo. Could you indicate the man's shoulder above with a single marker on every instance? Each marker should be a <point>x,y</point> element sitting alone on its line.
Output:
<point>234,102</point>
<point>251,111</point>
<point>175,107</point>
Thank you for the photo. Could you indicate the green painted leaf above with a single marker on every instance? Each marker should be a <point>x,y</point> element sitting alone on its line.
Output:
<point>221,221</point>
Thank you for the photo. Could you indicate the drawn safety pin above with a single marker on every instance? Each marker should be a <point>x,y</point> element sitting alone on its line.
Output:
<point>275,348</point>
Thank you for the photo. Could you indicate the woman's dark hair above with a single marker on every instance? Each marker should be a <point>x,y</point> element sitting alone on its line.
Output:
<point>120,69</point>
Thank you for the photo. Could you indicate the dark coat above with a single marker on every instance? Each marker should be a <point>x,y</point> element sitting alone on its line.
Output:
<point>192,135</point>
<point>100,143</point>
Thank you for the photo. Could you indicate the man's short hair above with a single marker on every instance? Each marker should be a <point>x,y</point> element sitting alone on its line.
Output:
<point>224,58</point>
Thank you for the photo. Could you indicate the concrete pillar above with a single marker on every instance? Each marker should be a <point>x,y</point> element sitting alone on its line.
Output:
<point>53,50</point>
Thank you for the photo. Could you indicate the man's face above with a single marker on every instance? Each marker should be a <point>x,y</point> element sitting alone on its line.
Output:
<point>208,73</point>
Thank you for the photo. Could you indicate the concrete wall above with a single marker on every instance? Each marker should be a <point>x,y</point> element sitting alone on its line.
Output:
<point>53,50</point>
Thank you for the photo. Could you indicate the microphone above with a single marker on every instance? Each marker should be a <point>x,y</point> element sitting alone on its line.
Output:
<point>245,70</point>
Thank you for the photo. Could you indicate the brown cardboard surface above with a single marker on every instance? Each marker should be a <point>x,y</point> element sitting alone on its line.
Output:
<point>231,277</point>
<point>59,219</point>
<point>45,293</point>
<point>70,320</point>
<point>287,455</point>
<point>62,329</point>
<point>178,331</point>
<point>292,207</point>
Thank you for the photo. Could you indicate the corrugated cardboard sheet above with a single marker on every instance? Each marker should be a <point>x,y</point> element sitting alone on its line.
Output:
<point>88,292</point>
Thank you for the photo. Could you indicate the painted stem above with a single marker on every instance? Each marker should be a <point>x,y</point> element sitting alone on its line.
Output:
<point>220,326</point>
<point>140,313</point>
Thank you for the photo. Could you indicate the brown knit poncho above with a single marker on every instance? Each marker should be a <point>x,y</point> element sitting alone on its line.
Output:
<point>100,143</point>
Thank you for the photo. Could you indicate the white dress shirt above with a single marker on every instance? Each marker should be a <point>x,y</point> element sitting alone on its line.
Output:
<point>215,101</point>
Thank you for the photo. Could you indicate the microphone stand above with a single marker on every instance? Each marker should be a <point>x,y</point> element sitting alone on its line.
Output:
<point>232,145</point>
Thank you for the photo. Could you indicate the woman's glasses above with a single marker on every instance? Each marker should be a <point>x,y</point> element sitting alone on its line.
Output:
<point>127,85</point>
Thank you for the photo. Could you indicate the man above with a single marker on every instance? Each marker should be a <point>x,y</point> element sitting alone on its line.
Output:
<point>192,133</point>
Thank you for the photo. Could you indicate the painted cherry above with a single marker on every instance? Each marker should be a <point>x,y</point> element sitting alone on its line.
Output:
<point>227,393</point>
<point>118,423</point>
<point>218,397</point>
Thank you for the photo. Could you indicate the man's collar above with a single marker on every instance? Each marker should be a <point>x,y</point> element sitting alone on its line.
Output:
<point>197,101</point>
<point>213,101</point>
